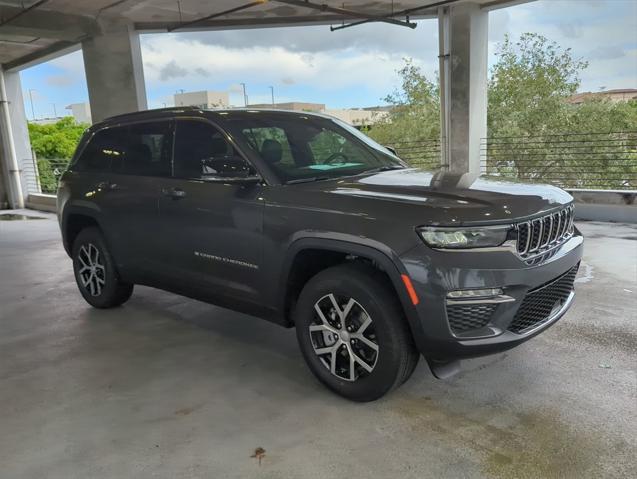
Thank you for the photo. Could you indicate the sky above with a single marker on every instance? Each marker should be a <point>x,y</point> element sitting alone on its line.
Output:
<point>355,67</point>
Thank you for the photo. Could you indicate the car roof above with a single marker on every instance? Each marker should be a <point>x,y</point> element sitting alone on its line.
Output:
<point>149,115</point>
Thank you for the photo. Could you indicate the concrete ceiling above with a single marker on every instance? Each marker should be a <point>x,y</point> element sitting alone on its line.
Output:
<point>32,30</point>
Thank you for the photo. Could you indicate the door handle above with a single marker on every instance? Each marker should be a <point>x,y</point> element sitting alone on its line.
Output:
<point>107,186</point>
<point>174,193</point>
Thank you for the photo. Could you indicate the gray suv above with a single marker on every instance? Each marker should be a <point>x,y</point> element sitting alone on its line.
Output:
<point>304,221</point>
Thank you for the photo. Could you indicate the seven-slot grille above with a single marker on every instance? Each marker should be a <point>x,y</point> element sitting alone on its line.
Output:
<point>538,304</point>
<point>544,233</point>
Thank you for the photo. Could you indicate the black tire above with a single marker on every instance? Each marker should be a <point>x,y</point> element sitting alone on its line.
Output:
<point>111,290</point>
<point>396,356</point>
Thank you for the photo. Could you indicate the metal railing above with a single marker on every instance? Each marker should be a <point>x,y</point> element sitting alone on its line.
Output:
<point>43,175</point>
<point>569,160</point>
<point>421,153</point>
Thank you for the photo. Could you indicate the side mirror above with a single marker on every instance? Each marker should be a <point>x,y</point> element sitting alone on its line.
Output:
<point>228,169</point>
<point>392,150</point>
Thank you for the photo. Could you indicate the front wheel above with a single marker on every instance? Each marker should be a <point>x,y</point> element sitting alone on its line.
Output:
<point>353,334</point>
<point>95,272</point>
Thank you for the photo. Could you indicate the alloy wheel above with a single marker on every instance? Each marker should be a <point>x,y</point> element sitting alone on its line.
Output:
<point>92,271</point>
<point>343,337</point>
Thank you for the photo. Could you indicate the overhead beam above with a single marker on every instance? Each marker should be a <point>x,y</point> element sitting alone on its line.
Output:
<point>347,13</point>
<point>45,24</point>
<point>22,11</point>
<point>240,24</point>
<point>197,21</point>
<point>42,55</point>
<point>407,12</point>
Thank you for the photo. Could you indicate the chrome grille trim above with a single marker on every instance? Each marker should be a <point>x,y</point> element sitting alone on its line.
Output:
<point>541,235</point>
<point>558,228</point>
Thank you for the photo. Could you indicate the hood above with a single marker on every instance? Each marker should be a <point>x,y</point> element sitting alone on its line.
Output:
<point>449,198</point>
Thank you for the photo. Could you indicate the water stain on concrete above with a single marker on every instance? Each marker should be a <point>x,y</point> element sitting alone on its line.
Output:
<point>16,217</point>
<point>184,411</point>
<point>608,338</point>
<point>529,444</point>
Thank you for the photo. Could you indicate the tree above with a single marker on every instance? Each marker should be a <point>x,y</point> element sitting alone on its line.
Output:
<point>529,84</point>
<point>54,145</point>
<point>534,132</point>
<point>413,123</point>
<point>56,140</point>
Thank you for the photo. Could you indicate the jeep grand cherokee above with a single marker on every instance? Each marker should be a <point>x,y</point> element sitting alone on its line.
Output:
<point>303,220</point>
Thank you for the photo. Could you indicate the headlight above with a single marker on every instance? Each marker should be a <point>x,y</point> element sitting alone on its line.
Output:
<point>459,238</point>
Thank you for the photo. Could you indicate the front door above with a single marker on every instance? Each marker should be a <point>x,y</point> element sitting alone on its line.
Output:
<point>211,228</point>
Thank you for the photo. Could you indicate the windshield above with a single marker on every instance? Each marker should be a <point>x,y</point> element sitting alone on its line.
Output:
<point>299,147</point>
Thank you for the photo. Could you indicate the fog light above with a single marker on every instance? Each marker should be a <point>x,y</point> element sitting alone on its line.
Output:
<point>475,293</point>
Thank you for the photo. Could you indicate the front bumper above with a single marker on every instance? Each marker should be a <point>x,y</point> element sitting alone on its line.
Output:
<point>435,273</point>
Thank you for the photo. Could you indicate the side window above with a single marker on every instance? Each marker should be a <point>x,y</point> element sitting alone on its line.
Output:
<point>202,151</point>
<point>329,147</point>
<point>148,149</point>
<point>271,144</point>
<point>105,147</point>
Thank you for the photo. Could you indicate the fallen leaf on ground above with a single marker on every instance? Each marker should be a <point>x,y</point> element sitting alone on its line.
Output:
<point>259,453</point>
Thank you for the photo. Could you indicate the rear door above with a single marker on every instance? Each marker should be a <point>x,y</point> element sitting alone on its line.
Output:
<point>140,155</point>
<point>212,225</point>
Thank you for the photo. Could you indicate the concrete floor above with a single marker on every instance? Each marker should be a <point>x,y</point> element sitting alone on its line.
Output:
<point>170,387</point>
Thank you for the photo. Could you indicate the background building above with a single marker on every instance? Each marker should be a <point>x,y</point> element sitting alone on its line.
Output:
<point>621,94</point>
<point>202,99</point>
<point>292,105</point>
<point>353,116</point>
<point>81,112</point>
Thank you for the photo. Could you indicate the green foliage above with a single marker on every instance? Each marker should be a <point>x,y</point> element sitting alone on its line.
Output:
<point>415,115</point>
<point>54,145</point>
<point>57,140</point>
<point>530,122</point>
<point>528,87</point>
<point>48,179</point>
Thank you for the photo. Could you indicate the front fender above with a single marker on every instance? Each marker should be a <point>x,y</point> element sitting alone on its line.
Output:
<point>379,253</point>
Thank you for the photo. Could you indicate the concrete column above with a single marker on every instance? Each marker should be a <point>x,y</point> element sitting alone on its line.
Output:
<point>114,72</point>
<point>13,136</point>
<point>463,37</point>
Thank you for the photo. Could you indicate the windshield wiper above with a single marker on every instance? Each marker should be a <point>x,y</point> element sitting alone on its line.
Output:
<point>385,168</point>
<point>307,180</point>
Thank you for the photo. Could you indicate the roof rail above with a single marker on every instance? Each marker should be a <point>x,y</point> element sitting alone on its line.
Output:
<point>153,110</point>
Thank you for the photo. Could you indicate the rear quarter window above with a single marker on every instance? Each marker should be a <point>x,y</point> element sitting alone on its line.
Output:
<point>102,148</point>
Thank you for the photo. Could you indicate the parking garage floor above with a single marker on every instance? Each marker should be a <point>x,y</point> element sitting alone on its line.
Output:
<point>170,387</point>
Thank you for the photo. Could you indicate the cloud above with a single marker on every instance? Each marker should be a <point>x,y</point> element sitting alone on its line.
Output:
<point>603,33</point>
<point>607,52</point>
<point>60,80</point>
<point>357,66</point>
<point>366,38</point>
<point>168,58</point>
<point>171,70</point>
<point>571,30</point>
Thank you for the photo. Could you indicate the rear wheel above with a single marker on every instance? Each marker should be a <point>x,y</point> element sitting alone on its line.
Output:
<point>353,334</point>
<point>95,272</point>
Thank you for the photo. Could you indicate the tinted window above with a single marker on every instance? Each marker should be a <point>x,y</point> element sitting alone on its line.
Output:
<point>199,147</point>
<point>105,146</point>
<point>301,147</point>
<point>147,150</point>
<point>272,142</point>
<point>330,147</point>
